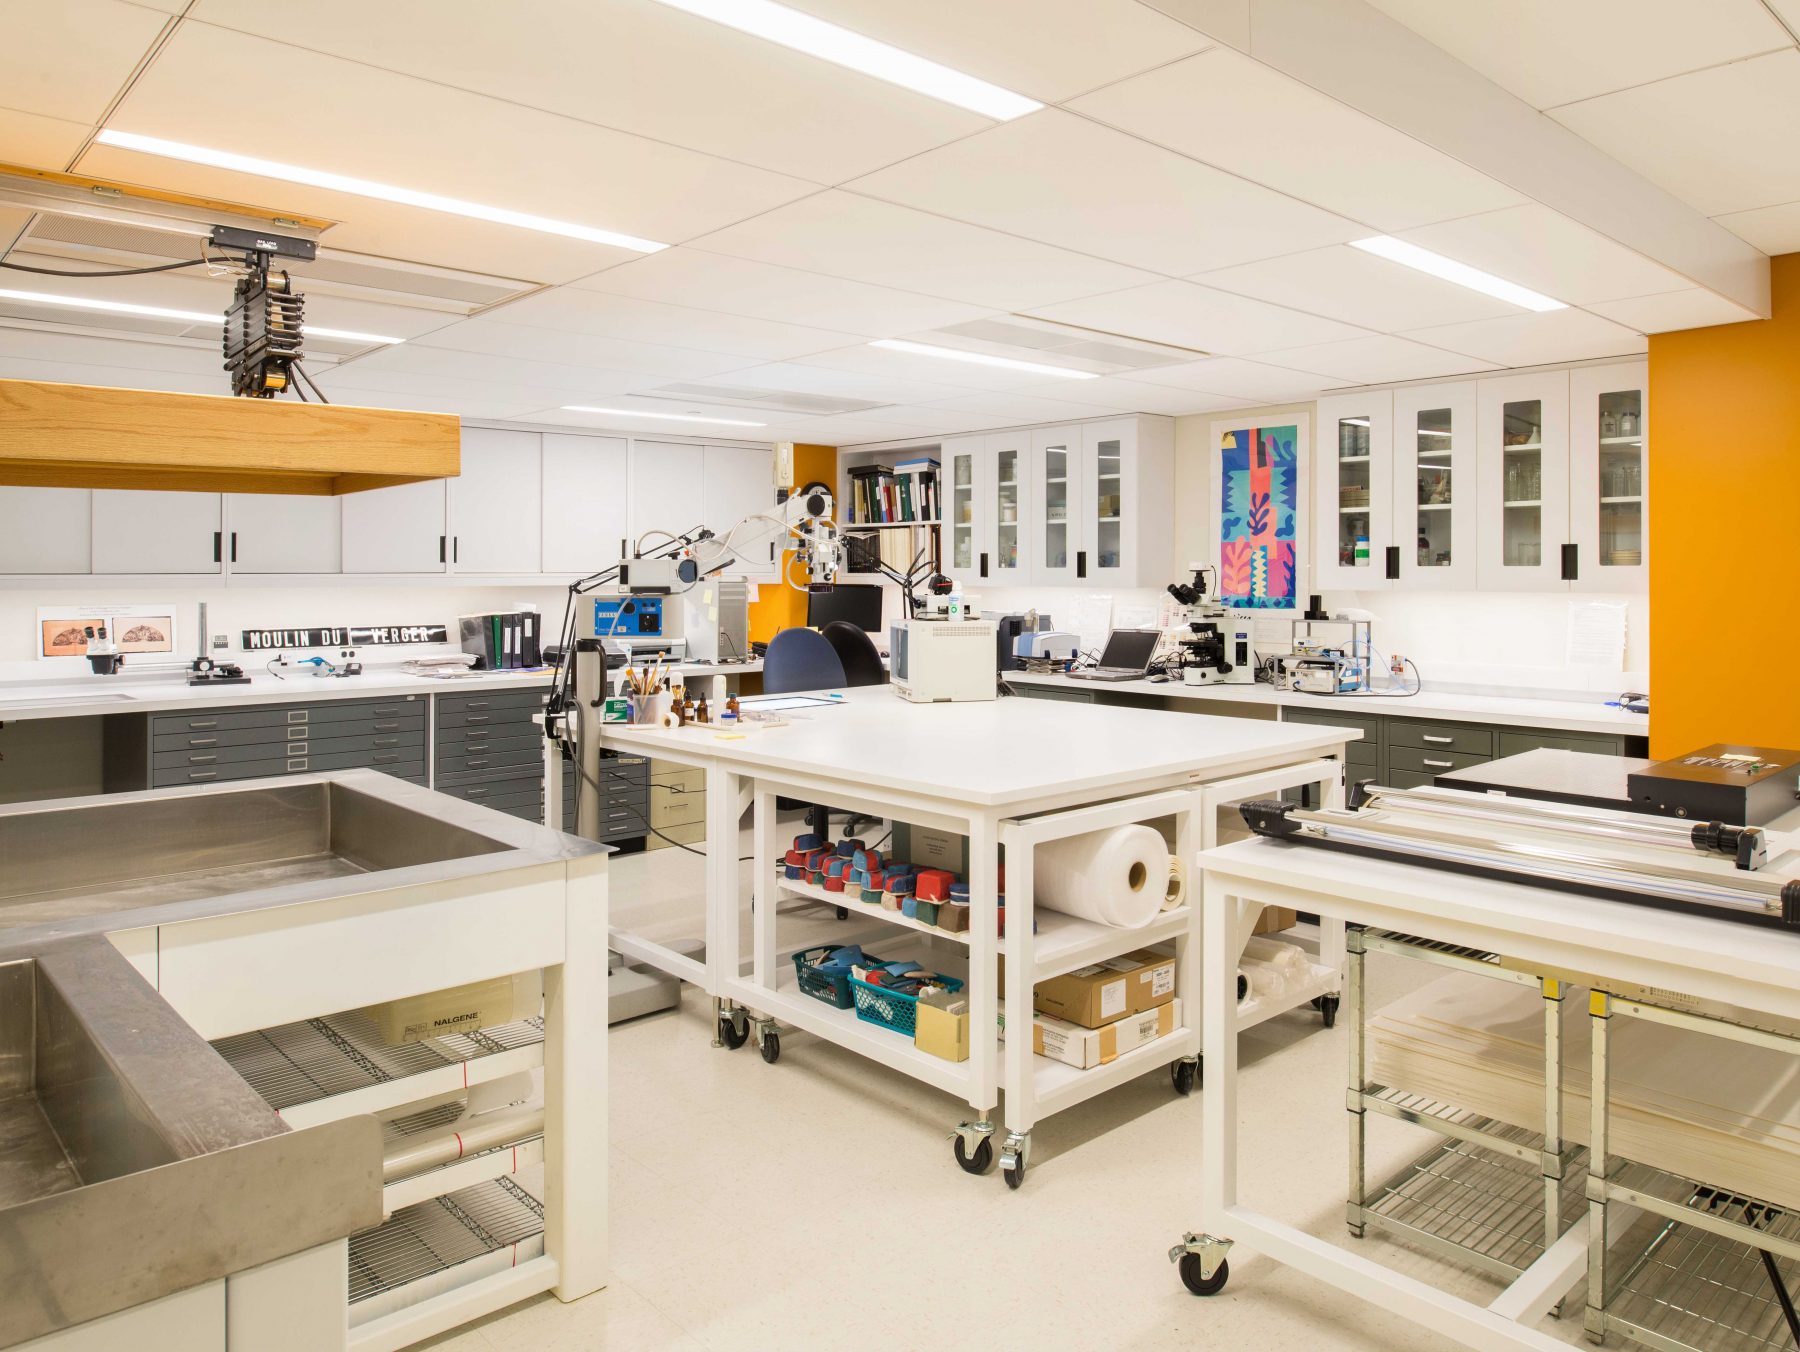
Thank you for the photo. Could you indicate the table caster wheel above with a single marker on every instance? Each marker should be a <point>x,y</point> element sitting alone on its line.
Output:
<point>1014,1174</point>
<point>1203,1286</point>
<point>1328,1009</point>
<point>978,1163</point>
<point>843,913</point>
<point>1184,1073</point>
<point>771,1047</point>
<point>732,1034</point>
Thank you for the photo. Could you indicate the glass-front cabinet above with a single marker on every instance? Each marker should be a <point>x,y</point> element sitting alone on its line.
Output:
<point>965,514</point>
<point>1525,539</point>
<point>1609,476</point>
<point>1355,491</point>
<point>1055,489</point>
<point>1115,524</point>
<point>1006,554</point>
<point>1435,485</point>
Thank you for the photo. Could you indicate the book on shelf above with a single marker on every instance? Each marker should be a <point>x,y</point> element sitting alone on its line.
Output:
<point>882,495</point>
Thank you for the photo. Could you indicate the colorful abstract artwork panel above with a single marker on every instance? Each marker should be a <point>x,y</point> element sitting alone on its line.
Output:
<point>1259,518</point>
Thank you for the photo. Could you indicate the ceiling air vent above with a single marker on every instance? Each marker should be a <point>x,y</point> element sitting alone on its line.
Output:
<point>1037,339</point>
<point>766,401</point>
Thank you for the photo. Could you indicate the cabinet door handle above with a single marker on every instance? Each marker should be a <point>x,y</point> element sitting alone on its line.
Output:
<point>441,542</point>
<point>455,548</point>
<point>1571,563</point>
<point>1081,563</point>
<point>1437,741</point>
<point>1393,563</point>
<point>234,546</point>
<point>218,546</point>
<point>1438,764</point>
<point>984,565</point>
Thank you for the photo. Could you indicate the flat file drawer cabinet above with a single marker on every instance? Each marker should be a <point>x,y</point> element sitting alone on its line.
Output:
<point>202,746</point>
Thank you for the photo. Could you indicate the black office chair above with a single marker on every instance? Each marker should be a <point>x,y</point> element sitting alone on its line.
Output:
<point>800,660</point>
<point>856,653</point>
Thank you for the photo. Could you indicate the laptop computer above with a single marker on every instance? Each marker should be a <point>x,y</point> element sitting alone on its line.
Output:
<point>1126,656</point>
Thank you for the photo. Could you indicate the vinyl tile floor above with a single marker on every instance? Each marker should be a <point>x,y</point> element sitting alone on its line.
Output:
<point>816,1203</point>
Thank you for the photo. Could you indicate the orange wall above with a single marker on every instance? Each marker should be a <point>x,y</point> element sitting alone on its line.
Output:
<point>778,606</point>
<point>1724,503</point>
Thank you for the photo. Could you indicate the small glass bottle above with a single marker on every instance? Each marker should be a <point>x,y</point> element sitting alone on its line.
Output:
<point>1609,425</point>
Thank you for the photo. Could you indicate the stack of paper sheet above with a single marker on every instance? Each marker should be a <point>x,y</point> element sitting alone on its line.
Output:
<point>1709,1110</point>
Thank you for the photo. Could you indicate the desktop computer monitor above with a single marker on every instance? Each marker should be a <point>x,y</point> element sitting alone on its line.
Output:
<point>860,606</point>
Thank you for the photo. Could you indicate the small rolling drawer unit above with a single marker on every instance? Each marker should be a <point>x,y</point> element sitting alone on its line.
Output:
<point>199,746</point>
<point>489,748</point>
<point>624,797</point>
<point>677,805</point>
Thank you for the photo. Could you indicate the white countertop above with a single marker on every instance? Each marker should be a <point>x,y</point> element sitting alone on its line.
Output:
<point>989,752</point>
<point>1511,711</point>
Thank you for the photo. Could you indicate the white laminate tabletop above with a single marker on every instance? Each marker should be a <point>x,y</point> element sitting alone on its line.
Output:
<point>1715,958</point>
<point>1511,711</point>
<point>126,693</point>
<point>990,753</point>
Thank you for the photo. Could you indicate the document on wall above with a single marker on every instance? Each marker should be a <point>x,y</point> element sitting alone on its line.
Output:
<point>1089,618</point>
<point>1597,634</point>
<point>1138,617</point>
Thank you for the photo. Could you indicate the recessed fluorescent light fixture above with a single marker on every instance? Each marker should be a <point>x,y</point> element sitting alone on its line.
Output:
<point>362,187</point>
<point>666,417</point>
<point>840,46</point>
<point>981,359</point>
<point>1412,256</point>
<point>185,316</point>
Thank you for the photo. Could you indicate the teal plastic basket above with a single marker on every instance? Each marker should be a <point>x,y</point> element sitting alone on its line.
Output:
<point>890,1008</point>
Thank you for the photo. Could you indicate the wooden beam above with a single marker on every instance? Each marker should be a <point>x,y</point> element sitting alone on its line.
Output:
<point>115,191</point>
<point>90,436</point>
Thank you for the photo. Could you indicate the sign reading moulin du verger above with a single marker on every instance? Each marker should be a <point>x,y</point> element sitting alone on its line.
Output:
<point>344,636</point>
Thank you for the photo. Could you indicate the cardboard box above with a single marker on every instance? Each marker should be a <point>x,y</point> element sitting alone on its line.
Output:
<point>1085,1048</point>
<point>941,1026</point>
<point>1274,919</point>
<point>461,1009</point>
<point>1107,991</point>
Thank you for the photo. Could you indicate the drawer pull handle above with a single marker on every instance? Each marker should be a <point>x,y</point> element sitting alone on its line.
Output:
<point>203,774</point>
<point>298,715</point>
<point>478,718</point>
<point>296,765</point>
<point>476,704</point>
<point>386,757</point>
<point>201,760</point>
<point>1437,741</point>
<point>203,722</point>
<point>474,750</point>
<point>476,793</point>
<point>1438,764</point>
<point>203,741</point>
<point>476,764</point>
<point>387,741</point>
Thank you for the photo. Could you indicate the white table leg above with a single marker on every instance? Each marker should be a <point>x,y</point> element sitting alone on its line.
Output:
<point>1020,1079</point>
<point>575,1094</point>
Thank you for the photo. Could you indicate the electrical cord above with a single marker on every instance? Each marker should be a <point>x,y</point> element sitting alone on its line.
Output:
<point>109,272</point>
<point>307,377</point>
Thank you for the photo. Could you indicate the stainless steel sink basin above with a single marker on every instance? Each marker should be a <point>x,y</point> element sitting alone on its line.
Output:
<point>129,851</point>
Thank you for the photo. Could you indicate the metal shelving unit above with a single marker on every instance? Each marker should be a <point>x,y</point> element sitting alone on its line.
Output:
<point>442,1243</point>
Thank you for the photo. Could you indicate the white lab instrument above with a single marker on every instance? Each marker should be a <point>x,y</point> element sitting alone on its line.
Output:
<point>1050,644</point>
<point>715,621</point>
<point>937,661</point>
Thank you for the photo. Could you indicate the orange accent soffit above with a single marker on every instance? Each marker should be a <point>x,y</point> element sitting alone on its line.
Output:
<point>92,436</point>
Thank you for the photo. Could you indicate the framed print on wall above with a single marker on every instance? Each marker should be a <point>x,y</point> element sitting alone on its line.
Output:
<point>1258,468</point>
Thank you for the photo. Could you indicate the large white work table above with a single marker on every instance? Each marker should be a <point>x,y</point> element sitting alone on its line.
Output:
<point>1750,967</point>
<point>1500,710</point>
<point>1006,775</point>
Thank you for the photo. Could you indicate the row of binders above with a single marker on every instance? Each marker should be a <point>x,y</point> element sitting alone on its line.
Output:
<point>886,494</point>
<point>504,641</point>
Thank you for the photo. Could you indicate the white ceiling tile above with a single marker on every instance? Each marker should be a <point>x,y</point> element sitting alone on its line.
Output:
<point>1535,339</point>
<point>1546,251</point>
<point>1695,308</point>
<point>943,421</point>
<point>1551,51</point>
<point>39,142</point>
<point>844,235</point>
<point>1721,139</point>
<point>742,286</point>
<point>396,129</point>
<point>502,340</point>
<point>643,68</point>
<point>13,220</point>
<point>646,321</point>
<point>1024,408</point>
<point>70,58</point>
<point>804,379</point>
<point>1238,379</point>
<point>382,370</point>
<point>1138,396</point>
<point>1046,49</point>
<point>1774,230</point>
<point>116,377</point>
<point>79,349</point>
<point>496,403</point>
<point>884,364</point>
<point>1063,180</point>
<point>1357,287</point>
<point>1198,317</point>
<point>1298,141</point>
<point>1377,360</point>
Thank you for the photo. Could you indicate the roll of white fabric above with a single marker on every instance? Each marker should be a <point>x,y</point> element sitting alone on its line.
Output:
<point>1267,981</point>
<point>1177,891</point>
<point>1288,958</point>
<point>1117,877</point>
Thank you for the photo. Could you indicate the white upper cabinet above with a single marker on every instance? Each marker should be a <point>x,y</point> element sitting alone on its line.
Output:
<point>153,532</point>
<point>739,482</point>
<point>587,502</point>
<point>665,489</point>
<point>283,533</point>
<point>46,530</point>
<point>1127,503</point>
<point>396,530</point>
<point>1435,515</point>
<point>963,484</point>
<point>496,504</point>
<point>1005,555</point>
<point>1609,480</point>
<point>1353,493</point>
<point>1524,472</point>
<point>1056,482</point>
